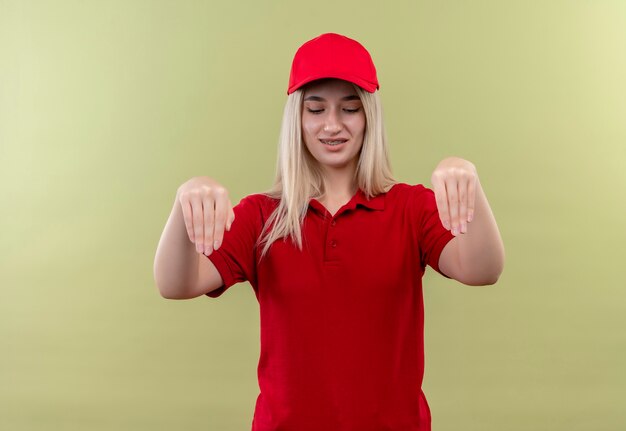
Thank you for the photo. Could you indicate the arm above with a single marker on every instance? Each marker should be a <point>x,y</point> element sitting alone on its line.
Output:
<point>180,272</point>
<point>201,213</point>
<point>476,255</point>
<point>176,258</point>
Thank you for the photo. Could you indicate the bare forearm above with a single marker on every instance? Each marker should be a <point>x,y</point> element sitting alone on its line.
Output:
<point>176,260</point>
<point>480,249</point>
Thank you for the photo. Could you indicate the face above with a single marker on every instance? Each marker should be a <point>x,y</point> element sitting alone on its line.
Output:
<point>333,123</point>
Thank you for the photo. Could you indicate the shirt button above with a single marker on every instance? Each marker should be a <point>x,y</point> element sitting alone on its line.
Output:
<point>333,243</point>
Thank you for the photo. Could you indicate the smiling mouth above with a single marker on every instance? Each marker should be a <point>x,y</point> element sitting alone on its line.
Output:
<point>332,142</point>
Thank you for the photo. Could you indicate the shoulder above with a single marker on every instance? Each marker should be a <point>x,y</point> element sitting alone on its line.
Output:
<point>252,212</point>
<point>403,192</point>
<point>259,199</point>
<point>258,203</point>
<point>416,200</point>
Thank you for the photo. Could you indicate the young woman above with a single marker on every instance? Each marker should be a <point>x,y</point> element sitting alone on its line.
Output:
<point>335,253</point>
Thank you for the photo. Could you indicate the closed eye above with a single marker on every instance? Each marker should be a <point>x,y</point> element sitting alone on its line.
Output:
<point>348,110</point>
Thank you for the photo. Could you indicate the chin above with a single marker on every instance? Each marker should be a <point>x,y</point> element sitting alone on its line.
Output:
<point>334,164</point>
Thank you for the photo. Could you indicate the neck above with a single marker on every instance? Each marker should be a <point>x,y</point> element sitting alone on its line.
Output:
<point>339,184</point>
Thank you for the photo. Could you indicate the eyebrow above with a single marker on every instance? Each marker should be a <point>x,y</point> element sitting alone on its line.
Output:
<point>321,99</point>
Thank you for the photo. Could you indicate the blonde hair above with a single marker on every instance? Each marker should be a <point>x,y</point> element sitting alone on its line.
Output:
<point>298,175</point>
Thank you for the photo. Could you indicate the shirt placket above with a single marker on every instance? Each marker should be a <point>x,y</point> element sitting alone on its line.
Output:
<point>332,244</point>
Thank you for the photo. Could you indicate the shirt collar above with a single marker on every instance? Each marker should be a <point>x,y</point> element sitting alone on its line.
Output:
<point>375,203</point>
<point>359,198</point>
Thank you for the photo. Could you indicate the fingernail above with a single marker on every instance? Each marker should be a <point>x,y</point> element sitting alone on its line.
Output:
<point>470,216</point>
<point>463,228</point>
<point>208,250</point>
<point>216,245</point>
<point>455,231</point>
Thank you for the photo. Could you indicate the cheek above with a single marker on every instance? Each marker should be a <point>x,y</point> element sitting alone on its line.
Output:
<point>306,125</point>
<point>309,130</point>
<point>358,126</point>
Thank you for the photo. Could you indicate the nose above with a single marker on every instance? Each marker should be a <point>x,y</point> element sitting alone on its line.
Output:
<point>333,123</point>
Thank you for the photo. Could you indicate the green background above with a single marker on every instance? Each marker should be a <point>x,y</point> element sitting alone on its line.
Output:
<point>106,107</point>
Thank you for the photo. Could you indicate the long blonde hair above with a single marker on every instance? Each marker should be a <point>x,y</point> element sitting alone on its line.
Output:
<point>299,177</point>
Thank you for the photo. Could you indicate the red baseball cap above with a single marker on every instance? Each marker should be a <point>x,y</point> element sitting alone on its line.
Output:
<point>332,55</point>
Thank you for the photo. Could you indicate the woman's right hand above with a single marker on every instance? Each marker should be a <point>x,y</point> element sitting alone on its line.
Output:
<point>207,211</point>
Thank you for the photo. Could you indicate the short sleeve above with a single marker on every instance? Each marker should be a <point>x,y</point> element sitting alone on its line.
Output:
<point>235,258</point>
<point>432,235</point>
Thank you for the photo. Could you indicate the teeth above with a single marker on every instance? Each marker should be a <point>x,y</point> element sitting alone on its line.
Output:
<point>333,142</point>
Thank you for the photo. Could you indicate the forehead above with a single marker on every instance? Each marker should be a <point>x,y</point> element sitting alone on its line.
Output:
<point>330,88</point>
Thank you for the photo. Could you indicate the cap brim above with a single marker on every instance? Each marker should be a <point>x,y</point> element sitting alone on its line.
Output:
<point>365,85</point>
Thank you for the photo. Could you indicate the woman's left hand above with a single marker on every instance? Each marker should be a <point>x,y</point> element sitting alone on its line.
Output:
<point>454,183</point>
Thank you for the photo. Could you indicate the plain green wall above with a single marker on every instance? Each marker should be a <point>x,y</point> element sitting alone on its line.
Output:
<point>106,107</point>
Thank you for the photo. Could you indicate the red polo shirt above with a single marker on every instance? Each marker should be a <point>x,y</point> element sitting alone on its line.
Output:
<point>342,345</point>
